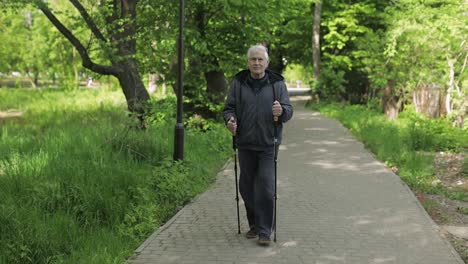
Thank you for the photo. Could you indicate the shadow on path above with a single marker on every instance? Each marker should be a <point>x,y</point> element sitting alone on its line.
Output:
<point>336,204</point>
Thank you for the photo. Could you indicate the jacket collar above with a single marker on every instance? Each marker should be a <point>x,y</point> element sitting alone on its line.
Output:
<point>272,76</point>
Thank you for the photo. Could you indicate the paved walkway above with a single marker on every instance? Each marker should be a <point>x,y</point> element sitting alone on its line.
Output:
<point>336,204</point>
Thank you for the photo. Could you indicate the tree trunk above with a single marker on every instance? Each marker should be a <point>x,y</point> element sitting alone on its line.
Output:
<point>427,99</point>
<point>32,78</point>
<point>392,103</point>
<point>75,69</point>
<point>133,87</point>
<point>216,86</point>
<point>121,39</point>
<point>36,77</point>
<point>448,101</point>
<point>276,59</point>
<point>152,78</point>
<point>316,40</point>
<point>163,85</point>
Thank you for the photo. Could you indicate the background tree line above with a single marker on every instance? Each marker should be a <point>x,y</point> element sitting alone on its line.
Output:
<point>382,53</point>
<point>95,197</point>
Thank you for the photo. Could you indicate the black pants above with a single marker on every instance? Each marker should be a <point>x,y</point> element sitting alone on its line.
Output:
<point>257,187</point>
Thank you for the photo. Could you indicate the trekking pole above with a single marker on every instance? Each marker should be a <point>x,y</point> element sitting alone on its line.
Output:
<point>237,187</point>
<point>276,163</point>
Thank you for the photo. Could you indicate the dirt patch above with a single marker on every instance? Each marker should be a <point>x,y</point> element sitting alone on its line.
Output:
<point>451,172</point>
<point>10,113</point>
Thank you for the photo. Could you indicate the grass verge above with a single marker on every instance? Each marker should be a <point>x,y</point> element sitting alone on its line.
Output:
<point>407,145</point>
<point>79,185</point>
<point>426,153</point>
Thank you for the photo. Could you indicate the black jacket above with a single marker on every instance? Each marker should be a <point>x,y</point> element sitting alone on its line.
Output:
<point>253,111</point>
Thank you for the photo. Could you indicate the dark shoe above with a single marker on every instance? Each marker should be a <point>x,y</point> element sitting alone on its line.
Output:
<point>263,240</point>
<point>251,234</point>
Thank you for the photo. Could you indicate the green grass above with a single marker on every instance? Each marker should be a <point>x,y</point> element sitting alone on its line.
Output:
<point>409,143</point>
<point>79,185</point>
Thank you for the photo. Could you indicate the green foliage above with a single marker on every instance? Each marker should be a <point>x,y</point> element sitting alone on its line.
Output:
<point>422,40</point>
<point>295,72</point>
<point>364,43</point>
<point>198,122</point>
<point>331,84</point>
<point>346,29</point>
<point>78,185</point>
<point>37,50</point>
<point>162,111</point>
<point>405,144</point>
<point>156,39</point>
<point>293,34</point>
<point>169,178</point>
<point>433,134</point>
<point>422,36</point>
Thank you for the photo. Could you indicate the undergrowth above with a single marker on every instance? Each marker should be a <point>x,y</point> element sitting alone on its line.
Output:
<point>79,184</point>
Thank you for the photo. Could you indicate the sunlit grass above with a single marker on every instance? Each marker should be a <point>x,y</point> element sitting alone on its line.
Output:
<point>78,184</point>
<point>408,144</point>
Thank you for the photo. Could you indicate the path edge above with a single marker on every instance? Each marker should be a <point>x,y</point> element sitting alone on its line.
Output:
<point>173,218</point>
<point>434,225</point>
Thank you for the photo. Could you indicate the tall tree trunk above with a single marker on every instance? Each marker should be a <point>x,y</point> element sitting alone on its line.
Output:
<point>124,39</point>
<point>448,101</point>
<point>216,84</point>
<point>316,39</point>
<point>392,103</point>
<point>75,69</point>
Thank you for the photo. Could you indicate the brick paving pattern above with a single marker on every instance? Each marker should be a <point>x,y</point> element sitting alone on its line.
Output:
<point>336,204</point>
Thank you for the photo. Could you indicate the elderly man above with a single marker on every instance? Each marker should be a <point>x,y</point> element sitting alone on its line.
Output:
<point>257,105</point>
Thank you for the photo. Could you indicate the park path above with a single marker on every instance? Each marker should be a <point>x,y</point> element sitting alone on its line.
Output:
<point>336,204</point>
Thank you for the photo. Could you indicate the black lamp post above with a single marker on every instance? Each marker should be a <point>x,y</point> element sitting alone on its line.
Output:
<point>179,127</point>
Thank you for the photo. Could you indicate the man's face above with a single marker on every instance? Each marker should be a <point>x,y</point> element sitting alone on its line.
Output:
<point>257,64</point>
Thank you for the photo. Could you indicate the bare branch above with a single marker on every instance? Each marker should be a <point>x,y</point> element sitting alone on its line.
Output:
<point>461,73</point>
<point>87,62</point>
<point>89,21</point>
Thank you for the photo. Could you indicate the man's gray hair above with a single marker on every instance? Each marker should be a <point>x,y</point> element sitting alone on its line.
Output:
<point>258,48</point>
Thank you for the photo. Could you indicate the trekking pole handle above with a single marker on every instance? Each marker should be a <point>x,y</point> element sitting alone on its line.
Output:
<point>275,105</point>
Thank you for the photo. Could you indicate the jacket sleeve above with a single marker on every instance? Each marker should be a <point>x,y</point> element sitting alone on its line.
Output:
<point>230,104</point>
<point>285,104</point>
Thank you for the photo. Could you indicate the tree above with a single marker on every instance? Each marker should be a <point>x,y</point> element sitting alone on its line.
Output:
<point>156,41</point>
<point>218,34</point>
<point>113,31</point>
<point>427,47</point>
<point>316,39</point>
<point>344,24</point>
<point>18,53</point>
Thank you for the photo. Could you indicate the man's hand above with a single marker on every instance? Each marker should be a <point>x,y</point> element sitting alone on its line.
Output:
<point>232,125</point>
<point>277,110</point>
